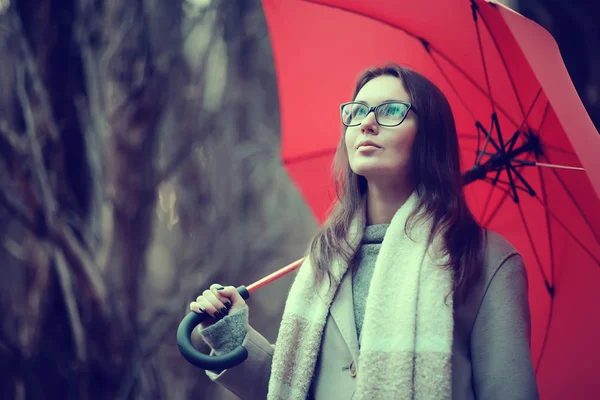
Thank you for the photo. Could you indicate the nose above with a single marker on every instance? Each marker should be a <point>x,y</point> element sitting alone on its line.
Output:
<point>369,124</point>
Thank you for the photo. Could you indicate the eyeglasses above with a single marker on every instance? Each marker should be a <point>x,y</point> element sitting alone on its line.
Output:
<point>388,113</point>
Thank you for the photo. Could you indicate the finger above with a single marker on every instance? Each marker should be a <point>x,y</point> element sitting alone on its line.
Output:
<point>221,294</point>
<point>202,306</point>
<point>226,293</point>
<point>196,307</point>
<point>220,308</point>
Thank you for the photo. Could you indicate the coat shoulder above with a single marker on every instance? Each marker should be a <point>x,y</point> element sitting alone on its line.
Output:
<point>498,253</point>
<point>497,249</point>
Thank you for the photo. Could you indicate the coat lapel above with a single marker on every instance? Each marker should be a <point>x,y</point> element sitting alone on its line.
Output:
<point>342,312</point>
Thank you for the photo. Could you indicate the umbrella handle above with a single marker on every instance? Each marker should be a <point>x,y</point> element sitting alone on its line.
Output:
<point>239,354</point>
<point>199,359</point>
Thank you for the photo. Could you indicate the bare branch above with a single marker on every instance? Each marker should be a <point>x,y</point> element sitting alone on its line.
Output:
<point>38,86</point>
<point>64,278</point>
<point>126,27</point>
<point>39,169</point>
<point>79,257</point>
<point>14,249</point>
<point>17,209</point>
<point>61,233</point>
<point>17,142</point>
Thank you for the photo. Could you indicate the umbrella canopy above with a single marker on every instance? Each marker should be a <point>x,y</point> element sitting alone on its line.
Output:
<point>520,124</point>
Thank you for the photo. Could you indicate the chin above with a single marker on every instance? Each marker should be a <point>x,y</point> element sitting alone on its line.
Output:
<point>371,172</point>
<point>377,172</point>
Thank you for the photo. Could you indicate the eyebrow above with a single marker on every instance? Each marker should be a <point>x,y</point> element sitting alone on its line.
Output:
<point>366,102</point>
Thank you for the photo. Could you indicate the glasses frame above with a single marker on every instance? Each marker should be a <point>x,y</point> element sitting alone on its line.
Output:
<point>374,110</point>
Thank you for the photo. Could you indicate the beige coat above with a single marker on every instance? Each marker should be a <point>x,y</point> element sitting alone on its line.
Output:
<point>491,358</point>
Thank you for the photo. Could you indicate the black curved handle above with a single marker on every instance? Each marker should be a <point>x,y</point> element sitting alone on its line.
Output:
<point>201,360</point>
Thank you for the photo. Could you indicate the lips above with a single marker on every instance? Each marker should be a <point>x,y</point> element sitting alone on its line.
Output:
<point>367,143</point>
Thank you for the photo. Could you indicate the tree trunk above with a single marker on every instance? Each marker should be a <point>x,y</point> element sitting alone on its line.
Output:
<point>139,147</point>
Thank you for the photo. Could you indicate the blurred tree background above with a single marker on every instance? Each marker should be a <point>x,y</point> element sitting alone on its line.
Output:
<point>139,162</point>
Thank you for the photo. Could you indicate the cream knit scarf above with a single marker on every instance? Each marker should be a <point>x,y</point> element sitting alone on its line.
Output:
<point>405,352</point>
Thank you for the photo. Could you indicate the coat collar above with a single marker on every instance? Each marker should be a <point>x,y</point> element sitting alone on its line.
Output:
<point>342,312</point>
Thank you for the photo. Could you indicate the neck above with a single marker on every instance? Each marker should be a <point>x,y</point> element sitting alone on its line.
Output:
<point>383,201</point>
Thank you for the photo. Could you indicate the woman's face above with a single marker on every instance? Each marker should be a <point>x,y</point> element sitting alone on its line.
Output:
<point>390,157</point>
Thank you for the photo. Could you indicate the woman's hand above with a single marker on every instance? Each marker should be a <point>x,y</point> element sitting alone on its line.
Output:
<point>216,303</point>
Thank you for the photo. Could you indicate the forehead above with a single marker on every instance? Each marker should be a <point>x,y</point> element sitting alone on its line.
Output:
<point>381,89</point>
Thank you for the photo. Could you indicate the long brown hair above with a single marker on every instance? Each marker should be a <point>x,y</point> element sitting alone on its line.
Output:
<point>435,171</point>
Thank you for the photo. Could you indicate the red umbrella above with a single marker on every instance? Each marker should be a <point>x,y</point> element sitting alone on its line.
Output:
<point>531,154</point>
<point>530,151</point>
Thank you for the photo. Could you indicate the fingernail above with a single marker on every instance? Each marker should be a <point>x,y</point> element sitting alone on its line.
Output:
<point>217,315</point>
<point>220,288</point>
<point>201,309</point>
<point>228,304</point>
<point>224,310</point>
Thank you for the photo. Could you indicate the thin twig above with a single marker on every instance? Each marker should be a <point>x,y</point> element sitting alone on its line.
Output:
<point>79,256</point>
<point>61,235</point>
<point>17,142</point>
<point>17,209</point>
<point>38,86</point>
<point>39,169</point>
<point>14,249</point>
<point>64,278</point>
<point>127,25</point>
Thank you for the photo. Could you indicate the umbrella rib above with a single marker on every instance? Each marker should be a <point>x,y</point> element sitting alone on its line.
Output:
<point>494,181</point>
<point>546,336</point>
<point>500,203</point>
<point>487,202</point>
<point>543,121</point>
<point>548,225</point>
<point>562,183</point>
<point>537,96</point>
<point>512,185</point>
<point>496,123</point>
<point>407,32</point>
<point>520,177</point>
<point>439,67</point>
<point>508,74</point>
<point>562,224</point>
<point>550,146</point>
<point>552,273</point>
<point>474,8</point>
<point>488,139</point>
<point>535,253</point>
<point>470,79</point>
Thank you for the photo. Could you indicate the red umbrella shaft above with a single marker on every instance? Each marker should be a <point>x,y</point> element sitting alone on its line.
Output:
<point>274,276</point>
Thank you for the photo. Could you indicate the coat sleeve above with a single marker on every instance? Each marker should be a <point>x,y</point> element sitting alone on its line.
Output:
<point>500,353</point>
<point>250,379</point>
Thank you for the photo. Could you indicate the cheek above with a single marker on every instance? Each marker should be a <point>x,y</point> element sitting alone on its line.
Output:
<point>349,138</point>
<point>403,146</point>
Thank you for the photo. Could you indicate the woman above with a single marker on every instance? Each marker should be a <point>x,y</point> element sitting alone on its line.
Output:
<point>403,295</point>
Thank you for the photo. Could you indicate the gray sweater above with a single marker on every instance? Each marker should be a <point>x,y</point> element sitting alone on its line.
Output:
<point>228,333</point>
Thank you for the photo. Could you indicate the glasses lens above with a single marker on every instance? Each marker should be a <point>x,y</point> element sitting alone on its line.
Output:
<point>353,113</point>
<point>391,113</point>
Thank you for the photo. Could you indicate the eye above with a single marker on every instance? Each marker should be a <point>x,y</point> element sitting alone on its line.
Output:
<point>359,110</point>
<point>393,110</point>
